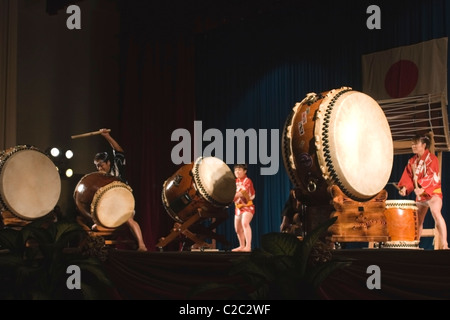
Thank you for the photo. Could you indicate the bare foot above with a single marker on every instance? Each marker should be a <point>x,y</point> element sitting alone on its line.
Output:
<point>246,250</point>
<point>144,248</point>
<point>237,249</point>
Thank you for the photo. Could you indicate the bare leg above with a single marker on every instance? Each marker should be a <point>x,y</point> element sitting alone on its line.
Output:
<point>239,232</point>
<point>246,219</point>
<point>137,233</point>
<point>435,208</point>
<point>422,210</point>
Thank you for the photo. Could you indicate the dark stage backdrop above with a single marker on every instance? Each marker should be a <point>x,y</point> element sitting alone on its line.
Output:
<point>245,69</point>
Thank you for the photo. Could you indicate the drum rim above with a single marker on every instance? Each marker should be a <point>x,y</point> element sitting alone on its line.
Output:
<point>101,191</point>
<point>201,188</point>
<point>401,203</point>
<point>401,244</point>
<point>325,148</point>
<point>8,154</point>
<point>91,174</point>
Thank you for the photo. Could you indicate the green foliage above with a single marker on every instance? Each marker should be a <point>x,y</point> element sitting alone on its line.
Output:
<point>34,262</point>
<point>283,268</point>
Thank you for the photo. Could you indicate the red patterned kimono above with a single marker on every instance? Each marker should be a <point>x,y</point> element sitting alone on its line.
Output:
<point>427,172</point>
<point>244,204</point>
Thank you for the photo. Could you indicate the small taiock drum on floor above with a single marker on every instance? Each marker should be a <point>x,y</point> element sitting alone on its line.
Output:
<point>402,223</point>
<point>30,185</point>
<point>104,199</point>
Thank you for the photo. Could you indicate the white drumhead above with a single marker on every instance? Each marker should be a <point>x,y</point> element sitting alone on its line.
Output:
<point>113,204</point>
<point>357,149</point>
<point>30,184</point>
<point>214,180</point>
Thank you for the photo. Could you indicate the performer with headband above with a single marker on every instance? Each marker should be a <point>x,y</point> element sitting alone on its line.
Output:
<point>244,208</point>
<point>422,176</point>
<point>116,168</point>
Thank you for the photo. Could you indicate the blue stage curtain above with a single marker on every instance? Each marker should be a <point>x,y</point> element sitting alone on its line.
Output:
<point>244,73</point>
<point>251,74</point>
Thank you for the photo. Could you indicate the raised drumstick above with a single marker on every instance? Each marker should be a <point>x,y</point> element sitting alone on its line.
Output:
<point>395,185</point>
<point>88,134</point>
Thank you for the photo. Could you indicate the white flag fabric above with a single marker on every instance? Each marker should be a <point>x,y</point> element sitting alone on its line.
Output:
<point>406,71</point>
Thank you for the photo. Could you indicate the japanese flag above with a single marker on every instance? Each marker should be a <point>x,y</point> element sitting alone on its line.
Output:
<point>406,71</point>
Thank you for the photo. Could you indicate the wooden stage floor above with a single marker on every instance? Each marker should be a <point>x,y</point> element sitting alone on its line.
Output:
<point>404,274</point>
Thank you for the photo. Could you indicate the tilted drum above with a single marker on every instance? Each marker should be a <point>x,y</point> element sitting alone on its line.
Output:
<point>207,184</point>
<point>104,199</point>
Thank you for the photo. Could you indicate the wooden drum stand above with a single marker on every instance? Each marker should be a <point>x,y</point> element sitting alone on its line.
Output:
<point>195,231</point>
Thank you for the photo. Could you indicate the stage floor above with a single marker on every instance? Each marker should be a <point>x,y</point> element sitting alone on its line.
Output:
<point>400,274</point>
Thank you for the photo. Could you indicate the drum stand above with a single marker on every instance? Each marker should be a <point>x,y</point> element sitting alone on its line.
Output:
<point>359,221</point>
<point>9,220</point>
<point>197,232</point>
<point>112,237</point>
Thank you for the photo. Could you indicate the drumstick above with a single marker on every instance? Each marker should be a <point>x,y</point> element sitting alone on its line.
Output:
<point>88,134</point>
<point>395,185</point>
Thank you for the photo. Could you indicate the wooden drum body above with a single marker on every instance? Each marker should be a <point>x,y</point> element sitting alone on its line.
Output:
<point>340,137</point>
<point>402,224</point>
<point>104,199</point>
<point>30,185</point>
<point>207,184</point>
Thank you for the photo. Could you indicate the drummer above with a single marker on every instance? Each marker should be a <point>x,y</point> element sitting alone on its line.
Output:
<point>422,176</point>
<point>103,163</point>
<point>244,208</point>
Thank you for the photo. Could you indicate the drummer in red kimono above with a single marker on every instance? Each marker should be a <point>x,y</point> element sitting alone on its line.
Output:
<point>244,208</point>
<point>422,176</point>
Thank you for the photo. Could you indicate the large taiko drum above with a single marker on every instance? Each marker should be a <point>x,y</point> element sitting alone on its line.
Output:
<point>402,224</point>
<point>30,184</point>
<point>104,199</point>
<point>339,137</point>
<point>207,184</point>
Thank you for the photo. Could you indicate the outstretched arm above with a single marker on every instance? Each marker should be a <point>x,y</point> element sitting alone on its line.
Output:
<point>112,142</point>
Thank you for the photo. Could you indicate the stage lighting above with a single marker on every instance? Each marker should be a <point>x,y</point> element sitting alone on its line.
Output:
<point>61,158</point>
<point>69,173</point>
<point>55,152</point>
<point>69,154</point>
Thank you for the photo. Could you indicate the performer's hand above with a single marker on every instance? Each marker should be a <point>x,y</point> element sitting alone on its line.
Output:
<point>419,191</point>
<point>104,132</point>
<point>402,191</point>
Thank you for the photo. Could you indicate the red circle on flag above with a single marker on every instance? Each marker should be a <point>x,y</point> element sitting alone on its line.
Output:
<point>401,78</point>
